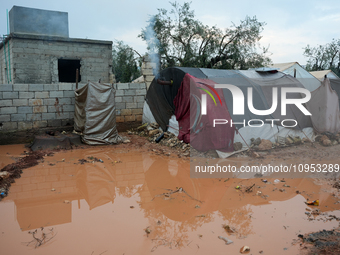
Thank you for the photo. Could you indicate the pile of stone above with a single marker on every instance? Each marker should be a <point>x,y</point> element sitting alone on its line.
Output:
<point>156,135</point>
<point>264,145</point>
<point>328,139</point>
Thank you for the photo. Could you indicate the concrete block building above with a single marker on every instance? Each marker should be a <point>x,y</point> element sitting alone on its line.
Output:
<point>38,50</point>
<point>38,71</point>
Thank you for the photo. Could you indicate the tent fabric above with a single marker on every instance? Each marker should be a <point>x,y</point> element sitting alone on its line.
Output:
<point>160,97</point>
<point>262,84</point>
<point>320,75</point>
<point>95,114</point>
<point>186,91</point>
<point>302,75</point>
<point>200,131</point>
<point>147,114</point>
<point>335,84</point>
<point>324,107</point>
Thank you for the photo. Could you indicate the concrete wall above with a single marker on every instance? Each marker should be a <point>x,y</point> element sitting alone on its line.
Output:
<point>27,106</point>
<point>130,101</point>
<point>36,21</point>
<point>34,59</point>
<point>148,71</point>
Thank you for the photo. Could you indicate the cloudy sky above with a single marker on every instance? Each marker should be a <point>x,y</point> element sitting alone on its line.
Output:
<point>291,24</point>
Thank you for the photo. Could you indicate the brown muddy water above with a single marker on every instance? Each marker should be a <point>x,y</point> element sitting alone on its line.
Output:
<point>108,207</point>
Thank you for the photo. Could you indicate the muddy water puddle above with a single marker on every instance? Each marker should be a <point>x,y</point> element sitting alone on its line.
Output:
<point>105,200</point>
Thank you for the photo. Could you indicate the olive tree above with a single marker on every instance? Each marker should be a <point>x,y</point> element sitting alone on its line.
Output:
<point>183,40</point>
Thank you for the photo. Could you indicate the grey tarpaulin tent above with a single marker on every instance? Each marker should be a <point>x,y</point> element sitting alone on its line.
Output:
<point>95,114</point>
<point>324,106</point>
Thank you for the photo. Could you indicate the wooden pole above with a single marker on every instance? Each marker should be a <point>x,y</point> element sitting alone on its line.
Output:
<point>77,73</point>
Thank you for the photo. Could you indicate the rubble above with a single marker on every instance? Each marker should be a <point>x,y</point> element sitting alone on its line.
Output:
<point>152,131</point>
<point>237,146</point>
<point>265,145</point>
<point>155,135</point>
<point>328,139</point>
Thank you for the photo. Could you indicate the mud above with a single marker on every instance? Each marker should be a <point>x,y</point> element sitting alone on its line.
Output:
<point>321,242</point>
<point>138,198</point>
<point>13,171</point>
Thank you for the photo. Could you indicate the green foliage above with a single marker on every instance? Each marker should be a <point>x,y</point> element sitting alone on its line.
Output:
<point>185,41</point>
<point>126,64</point>
<point>324,57</point>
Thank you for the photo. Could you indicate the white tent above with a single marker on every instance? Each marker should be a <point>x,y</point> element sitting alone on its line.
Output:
<point>302,75</point>
<point>320,75</point>
<point>324,107</point>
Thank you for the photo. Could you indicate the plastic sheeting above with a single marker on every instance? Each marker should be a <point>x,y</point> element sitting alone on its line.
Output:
<point>335,84</point>
<point>160,98</point>
<point>95,114</point>
<point>262,84</point>
<point>324,107</point>
<point>302,75</point>
<point>320,75</point>
<point>196,128</point>
<point>147,114</point>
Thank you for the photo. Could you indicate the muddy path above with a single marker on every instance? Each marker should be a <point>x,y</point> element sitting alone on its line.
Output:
<point>138,198</point>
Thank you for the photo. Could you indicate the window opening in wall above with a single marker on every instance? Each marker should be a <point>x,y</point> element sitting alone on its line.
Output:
<point>67,70</point>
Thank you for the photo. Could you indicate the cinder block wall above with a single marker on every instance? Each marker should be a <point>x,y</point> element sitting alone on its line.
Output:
<point>27,106</point>
<point>148,71</point>
<point>33,59</point>
<point>130,101</point>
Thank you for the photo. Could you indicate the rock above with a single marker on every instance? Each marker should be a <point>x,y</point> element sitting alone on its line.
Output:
<point>211,153</point>
<point>335,142</point>
<point>127,141</point>
<point>154,125</point>
<point>4,174</point>
<point>289,140</point>
<point>305,140</point>
<point>149,128</point>
<point>318,138</point>
<point>326,142</point>
<point>254,154</point>
<point>324,137</point>
<point>297,140</point>
<point>281,140</point>
<point>237,146</point>
<point>244,249</point>
<point>257,141</point>
<point>147,231</point>
<point>154,132</point>
<point>265,145</point>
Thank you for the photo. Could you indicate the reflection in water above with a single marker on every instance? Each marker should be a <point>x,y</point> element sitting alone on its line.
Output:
<point>53,193</point>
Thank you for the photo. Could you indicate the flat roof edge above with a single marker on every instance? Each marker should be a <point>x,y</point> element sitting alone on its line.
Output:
<point>56,38</point>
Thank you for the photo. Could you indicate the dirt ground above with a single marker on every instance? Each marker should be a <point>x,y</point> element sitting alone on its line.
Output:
<point>320,242</point>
